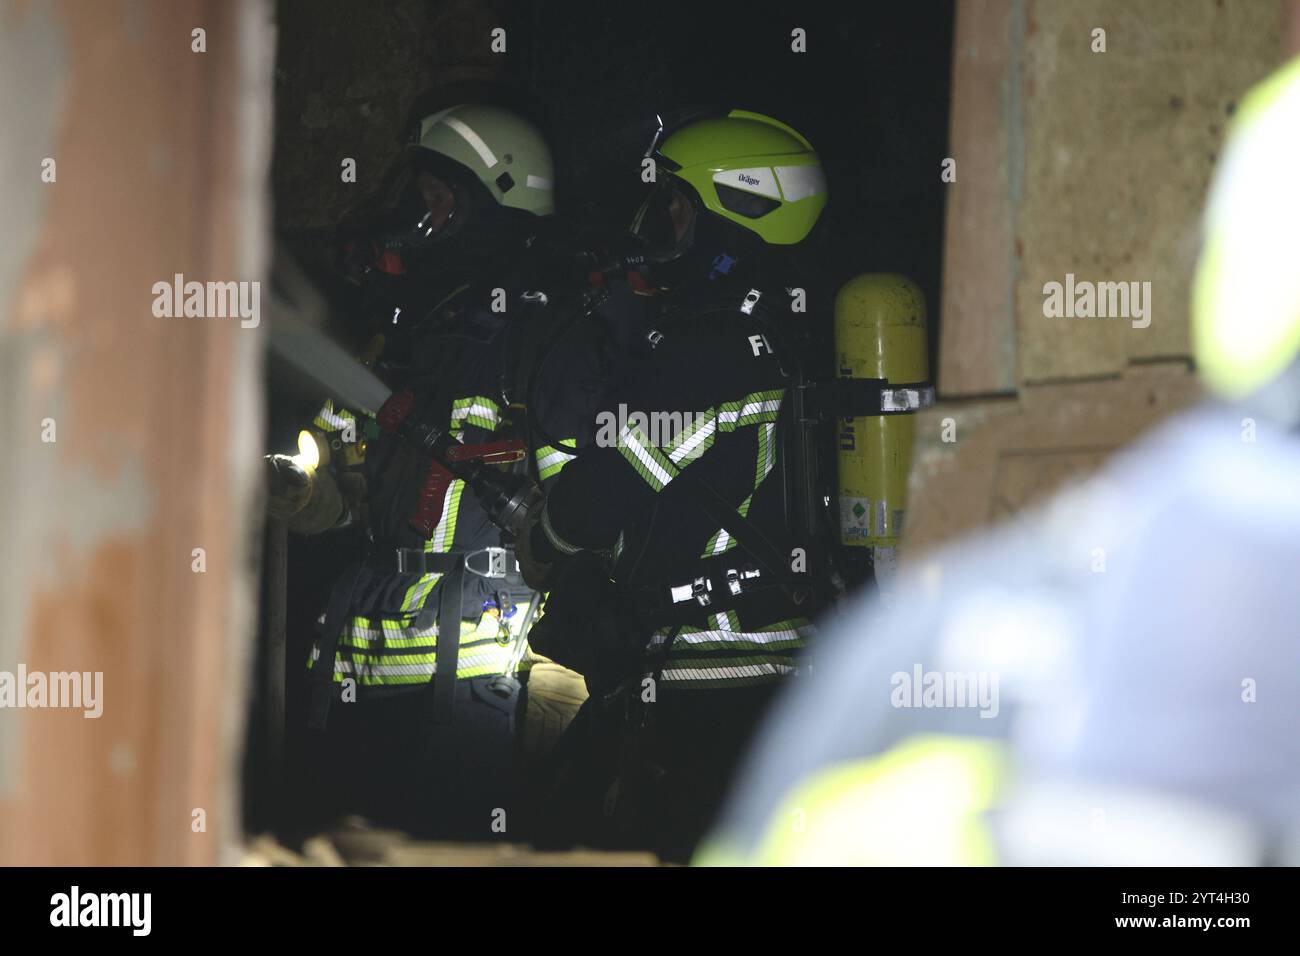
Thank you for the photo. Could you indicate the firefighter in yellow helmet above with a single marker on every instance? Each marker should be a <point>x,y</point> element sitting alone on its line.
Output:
<point>667,548</point>
<point>1014,707</point>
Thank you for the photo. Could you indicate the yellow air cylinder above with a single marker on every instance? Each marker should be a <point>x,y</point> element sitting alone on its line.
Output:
<point>880,334</point>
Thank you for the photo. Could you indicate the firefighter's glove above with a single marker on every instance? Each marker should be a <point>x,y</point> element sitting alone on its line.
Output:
<point>310,500</point>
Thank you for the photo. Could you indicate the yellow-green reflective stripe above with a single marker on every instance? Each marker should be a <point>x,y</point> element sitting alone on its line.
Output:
<point>722,541</point>
<point>795,627</point>
<point>445,533</point>
<point>648,461</point>
<point>723,655</point>
<point>481,649</point>
<point>477,410</point>
<point>693,440</point>
<point>766,453</point>
<point>418,592</point>
<point>658,468</point>
<point>754,408</point>
<point>327,419</point>
<point>919,804</point>
<point>550,460</point>
<point>391,634</point>
<point>728,673</point>
<point>725,621</point>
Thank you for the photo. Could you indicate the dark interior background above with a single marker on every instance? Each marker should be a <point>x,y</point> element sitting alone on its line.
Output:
<point>871,93</point>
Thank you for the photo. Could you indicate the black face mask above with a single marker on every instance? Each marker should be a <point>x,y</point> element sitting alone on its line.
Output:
<point>403,243</point>
<point>407,226</point>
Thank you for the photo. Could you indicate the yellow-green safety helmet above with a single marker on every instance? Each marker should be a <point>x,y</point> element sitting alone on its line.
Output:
<point>751,170</point>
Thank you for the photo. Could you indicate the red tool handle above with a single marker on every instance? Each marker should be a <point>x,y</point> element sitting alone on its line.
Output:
<point>490,453</point>
<point>428,510</point>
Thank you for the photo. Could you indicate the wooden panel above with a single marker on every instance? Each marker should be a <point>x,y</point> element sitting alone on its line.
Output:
<point>1008,454</point>
<point>161,164</point>
<point>1120,147</point>
<point>977,349</point>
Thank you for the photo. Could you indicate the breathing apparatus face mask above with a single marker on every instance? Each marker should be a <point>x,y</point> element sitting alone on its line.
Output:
<point>426,203</point>
<point>666,220</point>
<point>687,243</point>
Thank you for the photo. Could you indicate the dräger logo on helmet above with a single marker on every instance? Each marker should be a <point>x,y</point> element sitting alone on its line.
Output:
<point>746,178</point>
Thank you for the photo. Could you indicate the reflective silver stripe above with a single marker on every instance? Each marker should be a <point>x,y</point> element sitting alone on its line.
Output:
<point>719,543</point>
<point>757,408</point>
<point>396,635</point>
<point>493,657</point>
<point>418,592</point>
<point>550,460</point>
<point>474,139</point>
<point>722,540</point>
<point>724,622</point>
<point>799,632</point>
<point>483,409</point>
<point>632,441</point>
<point>538,182</point>
<point>328,418</point>
<point>800,182</point>
<point>446,529</point>
<point>342,665</point>
<point>770,669</point>
<point>766,452</point>
<point>691,445</point>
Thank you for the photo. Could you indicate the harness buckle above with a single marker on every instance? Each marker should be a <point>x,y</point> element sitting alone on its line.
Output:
<point>654,337</point>
<point>736,578</point>
<point>496,562</point>
<point>906,398</point>
<point>409,561</point>
<point>700,591</point>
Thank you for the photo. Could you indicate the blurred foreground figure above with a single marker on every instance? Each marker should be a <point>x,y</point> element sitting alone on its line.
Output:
<point>1112,680</point>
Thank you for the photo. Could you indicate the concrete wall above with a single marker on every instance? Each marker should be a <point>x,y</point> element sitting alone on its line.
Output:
<point>1088,163</point>
<point>161,159</point>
